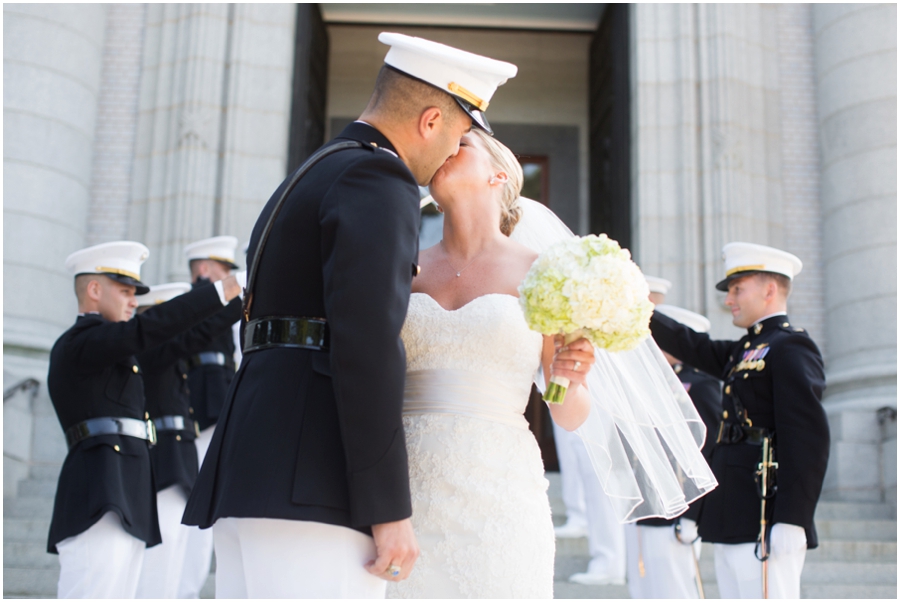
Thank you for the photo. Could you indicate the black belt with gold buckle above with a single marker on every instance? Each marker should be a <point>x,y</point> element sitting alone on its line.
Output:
<point>93,427</point>
<point>731,433</point>
<point>293,333</point>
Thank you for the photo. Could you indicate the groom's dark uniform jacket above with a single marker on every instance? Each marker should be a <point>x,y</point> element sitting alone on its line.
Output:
<point>93,374</point>
<point>775,372</point>
<point>174,457</point>
<point>317,434</point>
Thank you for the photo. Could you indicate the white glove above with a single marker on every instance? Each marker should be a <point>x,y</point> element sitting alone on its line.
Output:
<point>787,539</point>
<point>241,278</point>
<point>688,531</point>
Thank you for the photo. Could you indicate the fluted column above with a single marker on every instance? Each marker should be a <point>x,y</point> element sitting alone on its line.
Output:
<point>856,71</point>
<point>52,56</point>
<point>213,122</point>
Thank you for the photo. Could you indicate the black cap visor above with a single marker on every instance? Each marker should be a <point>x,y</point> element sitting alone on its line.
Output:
<point>478,117</point>
<point>723,285</point>
<point>140,287</point>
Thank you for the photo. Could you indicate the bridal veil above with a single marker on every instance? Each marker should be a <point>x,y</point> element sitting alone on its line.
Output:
<point>643,434</point>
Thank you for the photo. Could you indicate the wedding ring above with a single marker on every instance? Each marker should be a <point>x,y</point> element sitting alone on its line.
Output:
<point>577,366</point>
<point>394,570</point>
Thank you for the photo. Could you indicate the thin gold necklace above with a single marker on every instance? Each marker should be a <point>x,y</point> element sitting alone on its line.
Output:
<point>447,259</point>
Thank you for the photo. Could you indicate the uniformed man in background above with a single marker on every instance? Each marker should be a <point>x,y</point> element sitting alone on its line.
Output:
<point>774,379</point>
<point>663,554</point>
<point>209,371</point>
<point>104,514</point>
<point>174,457</point>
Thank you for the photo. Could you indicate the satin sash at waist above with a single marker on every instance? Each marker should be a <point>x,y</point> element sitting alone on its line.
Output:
<point>464,393</point>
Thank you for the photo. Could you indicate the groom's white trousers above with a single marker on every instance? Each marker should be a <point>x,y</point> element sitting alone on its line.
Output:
<point>606,535</point>
<point>275,558</point>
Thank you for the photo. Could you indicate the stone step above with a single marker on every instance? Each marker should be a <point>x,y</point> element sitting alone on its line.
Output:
<point>854,551</point>
<point>28,507</point>
<point>37,488</point>
<point>30,582</point>
<point>832,591</point>
<point>857,530</point>
<point>27,555</point>
<point>854,511</point>
<point>25,528</point>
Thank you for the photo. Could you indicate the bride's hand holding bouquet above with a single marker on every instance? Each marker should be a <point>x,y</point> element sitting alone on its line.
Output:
<point>585,288</point>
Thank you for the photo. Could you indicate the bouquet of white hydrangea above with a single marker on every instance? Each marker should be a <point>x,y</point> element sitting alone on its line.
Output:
<point>587,287</point>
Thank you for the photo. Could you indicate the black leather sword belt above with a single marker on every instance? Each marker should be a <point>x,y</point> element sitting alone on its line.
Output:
<point>131,427</point>
<point>176,423</point>
<point>731,433</point>
<point>296,333</point>
<point>207,358</point>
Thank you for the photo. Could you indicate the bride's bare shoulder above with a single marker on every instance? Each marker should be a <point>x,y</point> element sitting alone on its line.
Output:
<point>521,253</point>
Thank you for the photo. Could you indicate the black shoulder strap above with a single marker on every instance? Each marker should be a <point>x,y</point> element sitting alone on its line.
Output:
<point>292,183</point>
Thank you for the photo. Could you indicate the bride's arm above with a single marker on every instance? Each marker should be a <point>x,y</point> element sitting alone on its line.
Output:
<point>577,405</point>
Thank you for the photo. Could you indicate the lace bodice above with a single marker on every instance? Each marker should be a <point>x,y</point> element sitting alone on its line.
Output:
<point>480,508</point>
<point>488,336</point>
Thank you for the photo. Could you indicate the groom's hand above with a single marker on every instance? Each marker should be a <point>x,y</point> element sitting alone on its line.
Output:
<point>395,544</point>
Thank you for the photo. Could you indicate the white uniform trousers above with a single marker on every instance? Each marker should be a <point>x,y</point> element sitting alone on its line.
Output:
<point>102,562</point>
<point>606,535</point>
<point>739,573</point>
<point>669,569</point>
<point>198,556</point>
<point>570,479</point>
<point>163,564</point>
<point>276,558</point>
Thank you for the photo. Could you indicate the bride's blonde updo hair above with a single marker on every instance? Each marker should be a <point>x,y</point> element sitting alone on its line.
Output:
<point>502,159</point>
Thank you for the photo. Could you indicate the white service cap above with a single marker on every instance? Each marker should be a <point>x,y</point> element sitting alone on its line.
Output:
<point>161,293</point>
<point>687,317</point>
<point>120,260</point>
<point>470,78</point>
<point>742,258</point>
<point>218,248</point>
<point>658,285</point>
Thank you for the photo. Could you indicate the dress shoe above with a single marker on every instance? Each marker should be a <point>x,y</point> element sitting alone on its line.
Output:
<point>596,579</point>
<point>570,530</point>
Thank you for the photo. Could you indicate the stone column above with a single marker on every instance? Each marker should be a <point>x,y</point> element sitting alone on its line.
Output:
<point>52,64</point>
<point>707,133</point>
<point>856,72</point>
<point>213,121</point>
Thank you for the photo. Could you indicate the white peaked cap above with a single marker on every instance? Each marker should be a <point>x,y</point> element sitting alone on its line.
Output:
<point>658,285</point>
<point>219,248</point>
<point>120,260</point>
<point>470,78</point>
<point>162,293</point>
<point>743,258</point>
<point>687,317</point>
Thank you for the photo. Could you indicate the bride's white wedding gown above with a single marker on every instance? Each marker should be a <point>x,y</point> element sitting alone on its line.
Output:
<point>479,496</point>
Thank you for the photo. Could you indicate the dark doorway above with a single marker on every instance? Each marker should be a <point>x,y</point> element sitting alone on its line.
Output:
<point>610,127</point>
<point>310,85</point>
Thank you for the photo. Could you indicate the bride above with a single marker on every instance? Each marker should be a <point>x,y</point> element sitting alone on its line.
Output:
<point>480,508</point>
<point>479,497</point>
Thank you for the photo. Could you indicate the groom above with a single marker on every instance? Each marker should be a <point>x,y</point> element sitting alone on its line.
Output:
<point>306,481</point>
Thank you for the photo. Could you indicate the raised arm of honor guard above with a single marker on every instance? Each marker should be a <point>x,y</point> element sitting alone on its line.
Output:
<point>194,340</point>
<point>801,426</point>
<point>369,242</point>
<point>111,341</point>
<point>692,347</point>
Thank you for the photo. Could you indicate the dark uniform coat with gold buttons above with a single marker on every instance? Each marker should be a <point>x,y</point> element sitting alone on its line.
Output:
<point>94,373</point>
<point>174,457</point>
<point>776,373</point>
<point>208,384</point>
<point>317,435</point>
<point>706,393</point>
